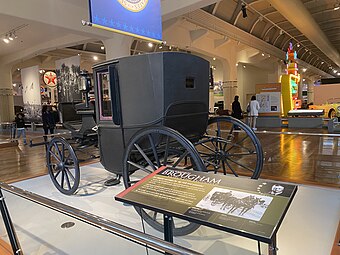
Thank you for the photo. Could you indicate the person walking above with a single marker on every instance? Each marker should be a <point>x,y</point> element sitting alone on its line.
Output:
<point>48,120</point>
<point>254,107</point>
<point>236,108</point>
<point>20,127</point>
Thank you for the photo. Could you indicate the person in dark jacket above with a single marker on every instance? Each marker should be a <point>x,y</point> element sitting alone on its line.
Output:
<point>20,127</point>
<point>236,108</point>
<point>48,120</point>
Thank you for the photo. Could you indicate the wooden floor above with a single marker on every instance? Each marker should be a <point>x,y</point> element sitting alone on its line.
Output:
<point>303,159</point>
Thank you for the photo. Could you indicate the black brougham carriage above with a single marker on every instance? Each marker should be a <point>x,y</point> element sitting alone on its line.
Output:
<point>152,110</point>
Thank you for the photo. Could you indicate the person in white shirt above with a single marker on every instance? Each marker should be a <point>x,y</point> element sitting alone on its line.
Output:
<point>254,107</point>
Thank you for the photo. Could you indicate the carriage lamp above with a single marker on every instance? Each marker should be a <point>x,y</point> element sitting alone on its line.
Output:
<point>84,85</point>
<point>84,81</point>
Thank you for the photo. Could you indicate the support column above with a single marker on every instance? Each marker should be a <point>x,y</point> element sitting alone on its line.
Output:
<point>310,92</point>
<point>6,95</point>
<point>230,88</point>
<point>118,46</point>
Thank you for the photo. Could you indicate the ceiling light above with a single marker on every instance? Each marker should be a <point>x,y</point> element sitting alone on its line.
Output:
<point>244,66</point>
<point>298,45</point>
<point>5,40</point>
<point>214,58</point>
<point>10,37</point>
<point>335,71</point>
<point>336,6</point>
<point>150,44</point>
<point>322,63</point>
<point>338,74</point>
<point>102,47</point>
<point>304,70</point>
<point>160,46</point>
<point>262,54</point>
<point>95,58</point>
<point>14,84</point>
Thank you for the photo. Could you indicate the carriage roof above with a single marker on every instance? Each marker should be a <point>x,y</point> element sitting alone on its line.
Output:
<point>151,85</point>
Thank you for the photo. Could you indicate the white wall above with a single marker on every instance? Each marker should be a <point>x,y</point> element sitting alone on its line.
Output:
<point>247,78</point>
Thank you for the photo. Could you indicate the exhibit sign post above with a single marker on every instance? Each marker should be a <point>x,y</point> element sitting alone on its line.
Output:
<point>250,208</point>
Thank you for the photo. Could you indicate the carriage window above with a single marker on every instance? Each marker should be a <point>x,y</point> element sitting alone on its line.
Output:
<point>190,83</point>
<point>105,95</point>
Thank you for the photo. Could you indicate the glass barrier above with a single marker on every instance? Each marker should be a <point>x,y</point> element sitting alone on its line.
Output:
<point>44,226</point>
<point>7,130</point>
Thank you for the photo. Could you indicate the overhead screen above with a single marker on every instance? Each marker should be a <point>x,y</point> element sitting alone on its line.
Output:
<point>140,18</point>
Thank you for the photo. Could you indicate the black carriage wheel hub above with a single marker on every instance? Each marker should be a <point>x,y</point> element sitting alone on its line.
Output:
<point>221,155</point>
<point>61,165</point>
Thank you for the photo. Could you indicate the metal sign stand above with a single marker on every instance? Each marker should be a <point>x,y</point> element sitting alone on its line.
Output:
<point>9,226</point>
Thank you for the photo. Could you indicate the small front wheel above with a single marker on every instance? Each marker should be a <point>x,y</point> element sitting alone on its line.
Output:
<point>63,165</point>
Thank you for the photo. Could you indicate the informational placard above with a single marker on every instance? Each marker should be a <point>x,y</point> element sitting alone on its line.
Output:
<point>269,97</point>
<point>140,18</point>
<point>269,102</point>
<point>250,208</point>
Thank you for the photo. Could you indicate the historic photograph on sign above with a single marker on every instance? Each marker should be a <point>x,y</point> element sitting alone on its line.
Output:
<point>67,71</point>
<point>236,203</point>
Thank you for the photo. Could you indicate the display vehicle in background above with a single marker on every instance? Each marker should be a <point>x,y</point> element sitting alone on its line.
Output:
<point>331,108</point>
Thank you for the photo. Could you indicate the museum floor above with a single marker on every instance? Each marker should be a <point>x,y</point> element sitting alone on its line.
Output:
<point>310,158</point>
<point>308,228</point>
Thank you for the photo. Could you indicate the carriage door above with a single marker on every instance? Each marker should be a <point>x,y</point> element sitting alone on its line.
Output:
<point>109,119</point>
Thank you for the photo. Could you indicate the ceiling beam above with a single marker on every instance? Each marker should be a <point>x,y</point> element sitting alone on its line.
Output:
<point>291,9</point>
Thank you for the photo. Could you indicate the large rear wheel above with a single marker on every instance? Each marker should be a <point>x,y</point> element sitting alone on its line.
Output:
<point>151,149</point>
<point>231,147</point>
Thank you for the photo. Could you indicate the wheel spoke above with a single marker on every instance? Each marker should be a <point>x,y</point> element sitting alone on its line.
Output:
<point>166,151</point>
<point>231,169</point>
<point>67,180</point>
<point>145,156</point>
<point>180,158</point>
<point>154,215</point>
<point>58,150</point>
<point>54,155</point>
<point>63,151</point>
<point>57,173</point>
<point>62,178</point>
<point>207,147</point>
<point>139,166</point>
<point>154,150</point>
<point>241,165</point>
<point>70,174</point>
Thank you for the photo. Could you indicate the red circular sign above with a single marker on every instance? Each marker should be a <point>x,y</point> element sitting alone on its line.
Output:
<point>50,78</point>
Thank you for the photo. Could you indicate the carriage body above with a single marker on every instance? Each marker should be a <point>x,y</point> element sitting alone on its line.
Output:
<point>160,89</point>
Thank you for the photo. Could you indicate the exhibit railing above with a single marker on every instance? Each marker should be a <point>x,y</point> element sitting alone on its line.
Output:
<point>39,225</point>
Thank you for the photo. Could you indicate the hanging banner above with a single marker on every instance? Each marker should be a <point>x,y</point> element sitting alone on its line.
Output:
<point>31,93</point>
<point>68,71</point>
<point>139,18</point>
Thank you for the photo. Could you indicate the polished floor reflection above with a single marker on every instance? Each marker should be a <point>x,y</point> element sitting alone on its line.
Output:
<point>306,158</point>
<point>302,158</point>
